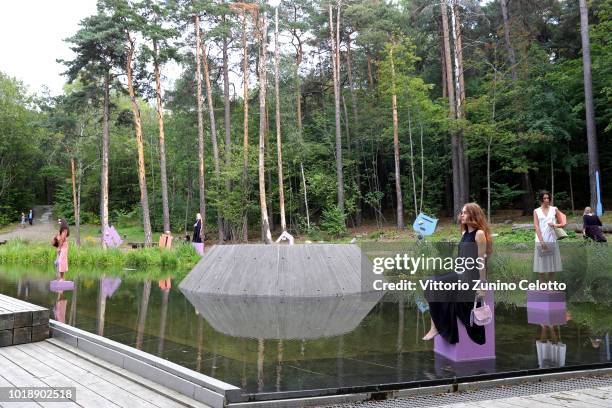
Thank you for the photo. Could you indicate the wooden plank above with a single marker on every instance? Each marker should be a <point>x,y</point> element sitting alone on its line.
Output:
<point>6,321</point>
<point>22,378</point>
<point>22,319</point>
<point>6,338</point>
<point>40,371</point>
<point>90,376</point>
<point>22,335</point>
<point>137,380</point>
<point>18,303</point>
<point>109,379</point>
<point>24,404</point>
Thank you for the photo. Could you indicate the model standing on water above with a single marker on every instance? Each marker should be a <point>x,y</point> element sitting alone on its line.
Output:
<point>446,307</point>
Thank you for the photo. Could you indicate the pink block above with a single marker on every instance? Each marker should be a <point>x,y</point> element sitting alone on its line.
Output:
<point>60,286</point>
<point>199,247</point>
<point>466,349</point>
<point>546,307</point>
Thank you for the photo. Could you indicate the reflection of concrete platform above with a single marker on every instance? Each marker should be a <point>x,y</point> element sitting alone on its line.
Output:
<point>546,307</point>
<point>283,318</point>
<point>446,367</point>
<point>466,349</point>
<point>306,270</point>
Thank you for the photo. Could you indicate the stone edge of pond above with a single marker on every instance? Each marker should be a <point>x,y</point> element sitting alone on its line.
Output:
<point>200,387</point>
<point>339,400</point>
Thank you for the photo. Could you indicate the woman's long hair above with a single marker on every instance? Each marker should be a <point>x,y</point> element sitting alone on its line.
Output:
<point>64,226</point>
<point>476,218</point>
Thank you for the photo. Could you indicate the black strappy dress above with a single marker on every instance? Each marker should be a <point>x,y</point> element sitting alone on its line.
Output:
<point>445,308</point>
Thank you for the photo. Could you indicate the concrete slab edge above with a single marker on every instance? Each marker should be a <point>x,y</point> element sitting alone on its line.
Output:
<point>97,346</point>
<point>419,391</point>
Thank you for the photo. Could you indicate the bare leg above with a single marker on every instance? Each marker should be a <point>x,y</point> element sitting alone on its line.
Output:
<point>433,332</point>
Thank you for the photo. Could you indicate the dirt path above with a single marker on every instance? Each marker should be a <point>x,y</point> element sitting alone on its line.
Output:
<point>42,229</point>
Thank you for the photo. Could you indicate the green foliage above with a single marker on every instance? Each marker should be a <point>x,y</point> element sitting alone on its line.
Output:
<point>182,256</point>
<point>333,222</point>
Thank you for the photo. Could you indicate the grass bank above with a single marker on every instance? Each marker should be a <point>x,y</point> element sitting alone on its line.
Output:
<point>181,257</point>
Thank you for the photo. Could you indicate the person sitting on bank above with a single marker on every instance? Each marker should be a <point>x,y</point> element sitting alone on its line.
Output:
<point>592,227</point>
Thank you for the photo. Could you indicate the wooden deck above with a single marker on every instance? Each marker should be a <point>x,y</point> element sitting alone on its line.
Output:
<point>98,383</point>
<point>22,322</point>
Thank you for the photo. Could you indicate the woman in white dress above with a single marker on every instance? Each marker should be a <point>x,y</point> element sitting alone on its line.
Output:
<point>547,258</point>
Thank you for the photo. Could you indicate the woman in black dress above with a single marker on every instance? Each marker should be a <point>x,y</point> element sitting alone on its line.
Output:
<point>197,229</point>
<point>591,226</point>
<point>446,307</point>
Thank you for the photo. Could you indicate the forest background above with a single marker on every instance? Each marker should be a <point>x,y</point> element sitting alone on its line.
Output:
<point>383,110</point>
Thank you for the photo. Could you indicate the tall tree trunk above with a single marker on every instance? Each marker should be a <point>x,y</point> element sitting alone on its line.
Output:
<point>336,74</point>
<point>443,67</point>
<point>396,153</point>
<point>422,170</point>
<point>455,152</point>
<point>509,48</point>
<point>144,198</point>
<point>593,153</point>
<point>305,196</point>
<point>198,75</point>
<point>356,175</point>
<point>298,105</point>
<point>162,140</point>
<point>370,76</point>
<point>104,170</point>
<point>75,203</point>
<point>226,101</point>
<point>552,178</point>
<point>225,226</point>
<point>414,193</point>
<point>279,154</point>
<point>245,127</point>
<point>460,145</point>
<point>213,135</point>
<point>527,200</point>
<point>265,225</point>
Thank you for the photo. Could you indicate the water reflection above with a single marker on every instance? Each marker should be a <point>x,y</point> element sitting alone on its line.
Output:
<point>548,309</point>
<point>108,286</point>
<point>266,346</point>
<point>283,318</point>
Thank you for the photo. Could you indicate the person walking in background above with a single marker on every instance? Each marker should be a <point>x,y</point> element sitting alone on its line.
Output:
<point>61,242</point>
<point>197,229</point>
<point>30,217</point>
<point>547,257</point>
<point>592,227</point>
<point>23,220</point>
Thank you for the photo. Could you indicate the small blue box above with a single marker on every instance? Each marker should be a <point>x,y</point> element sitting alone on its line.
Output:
<point>424,225</point>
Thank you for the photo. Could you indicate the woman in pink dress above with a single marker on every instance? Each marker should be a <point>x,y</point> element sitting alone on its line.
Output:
<point>61,242</point>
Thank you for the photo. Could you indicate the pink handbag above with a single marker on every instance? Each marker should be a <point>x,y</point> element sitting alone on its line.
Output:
<point>481,316</point>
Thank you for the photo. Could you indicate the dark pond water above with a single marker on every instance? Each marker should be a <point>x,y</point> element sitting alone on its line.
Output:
<point>265,347</point>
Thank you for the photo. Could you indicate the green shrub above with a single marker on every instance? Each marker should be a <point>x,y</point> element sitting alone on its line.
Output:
<point>333,222</point>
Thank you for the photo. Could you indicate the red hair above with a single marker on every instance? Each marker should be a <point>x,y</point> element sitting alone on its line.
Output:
<point>476,218</point>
